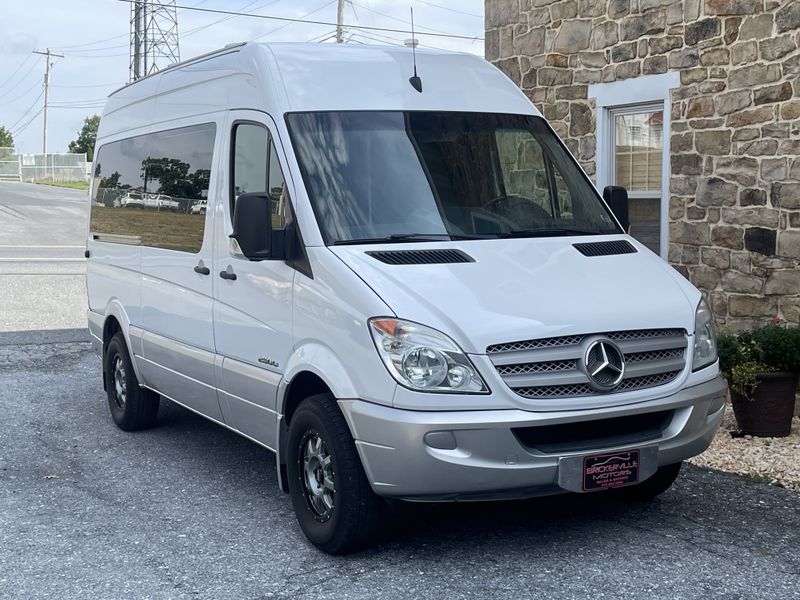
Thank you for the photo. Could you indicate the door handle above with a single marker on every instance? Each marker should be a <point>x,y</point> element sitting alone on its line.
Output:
<point>203,270</point>
<point>230,275</point>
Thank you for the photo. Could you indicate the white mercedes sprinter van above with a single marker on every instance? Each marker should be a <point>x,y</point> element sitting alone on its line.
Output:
<point>404,294</point>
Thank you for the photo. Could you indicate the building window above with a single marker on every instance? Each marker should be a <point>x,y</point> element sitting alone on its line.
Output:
<point>637,158</point>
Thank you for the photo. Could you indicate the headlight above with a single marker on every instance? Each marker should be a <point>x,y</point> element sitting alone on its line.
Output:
<point>422,358</point>
<point>705,337</point>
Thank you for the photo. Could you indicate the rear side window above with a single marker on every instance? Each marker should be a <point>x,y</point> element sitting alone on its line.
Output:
<point>152,190</point>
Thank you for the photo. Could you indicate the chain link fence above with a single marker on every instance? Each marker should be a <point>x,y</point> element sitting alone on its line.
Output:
<point>9,165</point>
<point>54,167</point>
<point>58,168</point>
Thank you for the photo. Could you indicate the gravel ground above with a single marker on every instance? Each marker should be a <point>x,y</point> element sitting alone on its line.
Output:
<point>771,460</point>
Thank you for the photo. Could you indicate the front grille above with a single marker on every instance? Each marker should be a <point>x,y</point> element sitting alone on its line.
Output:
<point>551,367</point>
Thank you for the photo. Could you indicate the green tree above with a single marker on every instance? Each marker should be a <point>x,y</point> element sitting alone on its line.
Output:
<point>6,139</point>
<point>86,137</point>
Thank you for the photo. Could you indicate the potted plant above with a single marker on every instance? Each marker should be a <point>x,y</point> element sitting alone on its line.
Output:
<point>762,367</point>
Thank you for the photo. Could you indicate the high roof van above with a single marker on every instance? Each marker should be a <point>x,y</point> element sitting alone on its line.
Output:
<point>405,287</point>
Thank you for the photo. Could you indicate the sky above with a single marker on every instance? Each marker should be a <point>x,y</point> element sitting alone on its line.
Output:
<point>93,36</point>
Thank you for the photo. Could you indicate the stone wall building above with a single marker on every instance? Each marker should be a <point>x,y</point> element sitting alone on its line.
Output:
<point>694,105</point>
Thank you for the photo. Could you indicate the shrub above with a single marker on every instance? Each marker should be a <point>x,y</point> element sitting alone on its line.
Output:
<point>742,356</point>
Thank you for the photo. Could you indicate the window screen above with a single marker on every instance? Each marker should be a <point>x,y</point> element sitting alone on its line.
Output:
<point>152,190</point>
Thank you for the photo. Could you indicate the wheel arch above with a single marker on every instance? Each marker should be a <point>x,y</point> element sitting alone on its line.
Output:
<point>312,369</point>
<point>116,320</point>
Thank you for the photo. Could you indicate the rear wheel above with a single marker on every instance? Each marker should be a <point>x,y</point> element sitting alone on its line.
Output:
<point>334,503</point>
<point>132,407</point>
<point>653,486</point>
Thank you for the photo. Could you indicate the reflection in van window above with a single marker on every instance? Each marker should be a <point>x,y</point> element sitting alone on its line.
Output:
<point>375,174</point>
<point>152,190</point>
<point>256,169</point>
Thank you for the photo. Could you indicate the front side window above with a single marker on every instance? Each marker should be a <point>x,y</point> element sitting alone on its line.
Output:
<point>152,190</point>
<point>256,169</point>
<point>375,176</point>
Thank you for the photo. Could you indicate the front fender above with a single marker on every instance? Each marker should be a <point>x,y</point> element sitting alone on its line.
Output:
<point>320,360</point>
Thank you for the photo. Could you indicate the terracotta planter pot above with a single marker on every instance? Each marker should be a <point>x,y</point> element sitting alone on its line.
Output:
<point>770,412</point>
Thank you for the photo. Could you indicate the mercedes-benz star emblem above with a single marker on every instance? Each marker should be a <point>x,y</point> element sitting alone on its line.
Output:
<point>605,365</point>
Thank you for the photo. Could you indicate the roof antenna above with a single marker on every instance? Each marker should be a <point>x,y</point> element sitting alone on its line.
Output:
<point>415,81</point>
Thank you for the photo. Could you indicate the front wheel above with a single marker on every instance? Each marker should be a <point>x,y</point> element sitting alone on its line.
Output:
<point>332,499</point>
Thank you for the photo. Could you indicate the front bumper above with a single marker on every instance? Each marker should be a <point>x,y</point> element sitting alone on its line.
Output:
<point>476,455</point>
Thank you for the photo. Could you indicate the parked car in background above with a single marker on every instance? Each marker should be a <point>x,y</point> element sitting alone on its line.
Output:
<point>405,286</point>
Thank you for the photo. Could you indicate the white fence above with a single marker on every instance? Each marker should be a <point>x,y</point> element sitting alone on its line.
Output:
<point>9,165</point>
<point>36,167</point>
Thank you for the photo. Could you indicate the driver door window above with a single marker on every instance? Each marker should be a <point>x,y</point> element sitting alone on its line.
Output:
<point>256,169</point>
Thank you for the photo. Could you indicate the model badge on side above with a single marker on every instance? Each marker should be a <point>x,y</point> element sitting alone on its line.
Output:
<point>605,365</point>
<point>268,361</point>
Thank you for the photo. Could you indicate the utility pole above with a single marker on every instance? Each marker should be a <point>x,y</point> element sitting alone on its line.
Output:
<point>47,68</point>
<point>340,22</point>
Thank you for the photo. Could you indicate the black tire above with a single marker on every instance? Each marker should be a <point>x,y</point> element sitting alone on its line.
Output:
<point>653,486</point>
<point>348,517</point>
<point>132,407</point>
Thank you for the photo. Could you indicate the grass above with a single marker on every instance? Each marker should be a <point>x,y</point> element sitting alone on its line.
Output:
<point>162,229</point>
<point>75,185</point>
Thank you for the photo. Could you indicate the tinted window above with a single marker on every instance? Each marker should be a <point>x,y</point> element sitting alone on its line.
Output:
<point>370,175</point>
<point>256,169</point>
<point>152,189</point>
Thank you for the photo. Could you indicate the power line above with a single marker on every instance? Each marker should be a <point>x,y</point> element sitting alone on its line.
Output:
<point>92,85</point>
<point>16,85</point>
<point>311,22</point>
<point>186,34</point>
<point>392,17</point>
<point>23,94</point>
<point>455,10</point>
<point>10,77</point>
<point>27,123</point>
<point>285,25</point>
<point>115,37</point>
<point>27,110</point>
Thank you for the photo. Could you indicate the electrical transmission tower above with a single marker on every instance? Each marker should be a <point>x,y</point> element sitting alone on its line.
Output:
<point>154,36</point>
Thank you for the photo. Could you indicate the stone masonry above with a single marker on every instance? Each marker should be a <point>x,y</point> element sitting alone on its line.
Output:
<point>734,201</point>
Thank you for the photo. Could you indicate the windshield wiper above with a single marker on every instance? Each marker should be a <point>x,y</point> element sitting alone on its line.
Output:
<point>396,238</point>
<point>547,232</point>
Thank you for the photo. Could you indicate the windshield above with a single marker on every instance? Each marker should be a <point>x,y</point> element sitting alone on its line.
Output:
<point>383,176</point>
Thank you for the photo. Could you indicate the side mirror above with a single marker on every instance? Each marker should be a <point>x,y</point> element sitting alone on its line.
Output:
<point>617,199</point>
<point>252,225</point>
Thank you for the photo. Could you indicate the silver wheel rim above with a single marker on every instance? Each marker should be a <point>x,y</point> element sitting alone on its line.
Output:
<point>120,382</point>
<point>318,477</point>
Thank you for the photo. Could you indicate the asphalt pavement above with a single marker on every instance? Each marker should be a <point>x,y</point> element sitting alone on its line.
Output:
<point>191,510</point>
<point>42,268</point>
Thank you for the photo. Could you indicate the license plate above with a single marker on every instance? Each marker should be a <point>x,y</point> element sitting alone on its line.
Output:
<point>612,470</point>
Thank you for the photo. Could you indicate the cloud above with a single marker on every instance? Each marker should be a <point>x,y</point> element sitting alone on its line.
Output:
<point>94,35</point>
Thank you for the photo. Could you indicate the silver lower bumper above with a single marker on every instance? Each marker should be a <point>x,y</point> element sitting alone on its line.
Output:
<point>476,454</point>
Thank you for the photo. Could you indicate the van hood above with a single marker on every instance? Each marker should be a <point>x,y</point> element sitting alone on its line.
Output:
<point>528,288</point>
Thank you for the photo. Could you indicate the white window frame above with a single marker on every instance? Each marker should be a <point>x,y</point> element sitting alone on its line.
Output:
<point>634,95</point>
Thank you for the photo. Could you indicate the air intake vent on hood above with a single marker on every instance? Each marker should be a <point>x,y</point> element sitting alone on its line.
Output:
<point>420,257</point>
<point>605,248</point>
